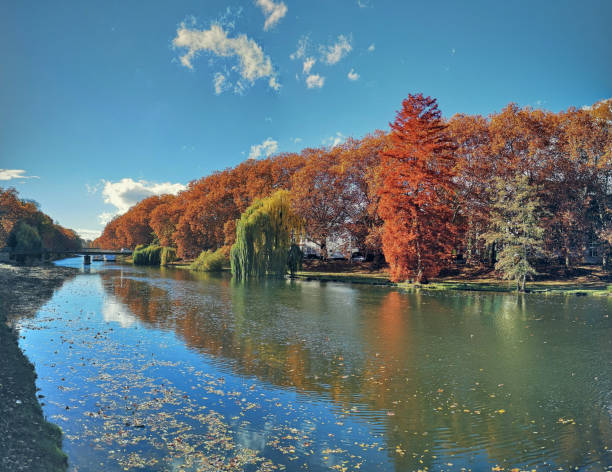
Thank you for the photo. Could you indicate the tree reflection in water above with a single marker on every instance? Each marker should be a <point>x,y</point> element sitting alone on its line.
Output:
<point>464,378</point>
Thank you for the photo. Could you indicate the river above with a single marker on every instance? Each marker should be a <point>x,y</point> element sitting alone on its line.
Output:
<point>162,369</point>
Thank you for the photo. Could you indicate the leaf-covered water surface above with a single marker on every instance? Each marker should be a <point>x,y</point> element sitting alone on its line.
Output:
<point>165,370</point>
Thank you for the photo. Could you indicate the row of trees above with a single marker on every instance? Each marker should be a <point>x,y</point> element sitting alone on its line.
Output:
<point>334,192</point>
<point>428,190</point>
<point>23,227</point>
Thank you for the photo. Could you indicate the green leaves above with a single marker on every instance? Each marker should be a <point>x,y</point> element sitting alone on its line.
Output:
<point>515,223</point>
<point>264,234</point>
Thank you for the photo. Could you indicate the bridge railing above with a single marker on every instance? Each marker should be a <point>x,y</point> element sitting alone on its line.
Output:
<point>85,251</point>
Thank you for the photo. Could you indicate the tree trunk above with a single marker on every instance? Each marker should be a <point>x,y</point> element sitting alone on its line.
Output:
<point>492,254</point>
<point>419,268</point>
<point>323,247</point>
<point>421,278</point>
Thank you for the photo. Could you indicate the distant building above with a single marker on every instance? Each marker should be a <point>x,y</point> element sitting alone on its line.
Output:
<point>593,253</point>
<point>336,247</point>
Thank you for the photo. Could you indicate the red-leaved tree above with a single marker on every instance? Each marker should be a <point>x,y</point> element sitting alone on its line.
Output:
<point>417,191</point>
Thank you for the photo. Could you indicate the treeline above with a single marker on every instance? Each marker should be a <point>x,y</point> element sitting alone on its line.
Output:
<point>23,227</point>
<point>334,191</point>
<point>439,181</point>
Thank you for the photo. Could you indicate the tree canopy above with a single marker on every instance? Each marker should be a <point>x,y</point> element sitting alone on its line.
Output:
<point>516,228</point>
<point>25,228</point>
<point>417,192</point>
<point>428,179</point>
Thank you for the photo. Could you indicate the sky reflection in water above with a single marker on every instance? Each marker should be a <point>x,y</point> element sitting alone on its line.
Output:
<point>167,370</point>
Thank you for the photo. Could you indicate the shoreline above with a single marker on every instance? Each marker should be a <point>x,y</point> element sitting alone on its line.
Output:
<point>569,286</point>
<point>27,440</point>
<point>565,287</point>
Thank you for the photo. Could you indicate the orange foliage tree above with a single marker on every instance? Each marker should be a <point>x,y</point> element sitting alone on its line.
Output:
<point>417,191</point>
<point>430,181</point>
<point>14,210</point>
<point>475,172</point>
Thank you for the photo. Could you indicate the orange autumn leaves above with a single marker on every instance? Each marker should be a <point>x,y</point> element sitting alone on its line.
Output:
<point>420,193</point>
<point>16,212</point>
<point>334,191</point>
<point>417,192</point>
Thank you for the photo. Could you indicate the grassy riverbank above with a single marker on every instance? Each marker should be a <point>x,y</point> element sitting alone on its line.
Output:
<point>27,441</point>
<point>584,280</point>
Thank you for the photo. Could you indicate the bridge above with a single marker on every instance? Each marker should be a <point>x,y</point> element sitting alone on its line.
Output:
<point>87,253</point>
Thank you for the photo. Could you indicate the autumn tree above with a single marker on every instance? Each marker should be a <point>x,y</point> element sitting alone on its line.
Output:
<point>133,227</point>
<point>24,227</point>
<point>416,193</point>
<point>164,218</point>
<point>12,210</point>
<point>475,171</point>
<point>593,139</point>
<point>359,163</point>
<point>430,199</point>
<point>322,198</point>
<point>516,228</point>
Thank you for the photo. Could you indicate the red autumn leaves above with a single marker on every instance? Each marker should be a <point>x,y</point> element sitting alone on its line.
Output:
<point>420,194</point>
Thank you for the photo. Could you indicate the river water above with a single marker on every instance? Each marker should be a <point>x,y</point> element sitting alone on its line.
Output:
<point>153,369</point>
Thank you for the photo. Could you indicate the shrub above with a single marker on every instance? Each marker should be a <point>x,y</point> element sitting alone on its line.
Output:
<point>209,261</point>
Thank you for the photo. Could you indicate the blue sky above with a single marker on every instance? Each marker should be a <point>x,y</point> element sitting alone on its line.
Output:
<point>119,100</point>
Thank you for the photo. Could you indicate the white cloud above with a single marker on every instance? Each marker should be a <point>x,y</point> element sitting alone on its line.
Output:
<point>88,233</point>
<point>253,64</point>
<point>115,311</point>
<point>315,81</point>
<point>334,53</point>
<point>300,52</point>
<point>220,84</point>
<point>333,141</point>
<point>127,192</point>
<point>266,148</point>
<point>92,189</point>
<point>227,19</point>
<point>372,47</point>
<point>8,174</point>
<point>273,11</point>
<point>352,75</point>
<point>453,51</point>
<point>308,63</point>
<point>106,216</point>
<point>297,140</point>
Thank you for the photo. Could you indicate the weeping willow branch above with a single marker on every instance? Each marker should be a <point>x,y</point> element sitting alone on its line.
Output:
<point>264,234</point>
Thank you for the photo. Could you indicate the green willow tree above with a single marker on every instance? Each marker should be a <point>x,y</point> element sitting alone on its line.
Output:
<point>516,229</point>
<point>264,236</point>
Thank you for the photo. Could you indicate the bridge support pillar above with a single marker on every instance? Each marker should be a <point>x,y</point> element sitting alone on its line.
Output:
<point>86,260</point>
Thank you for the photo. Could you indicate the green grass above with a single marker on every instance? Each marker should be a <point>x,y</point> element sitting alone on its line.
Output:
<point>552,287</point>
<point>358,278</point>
